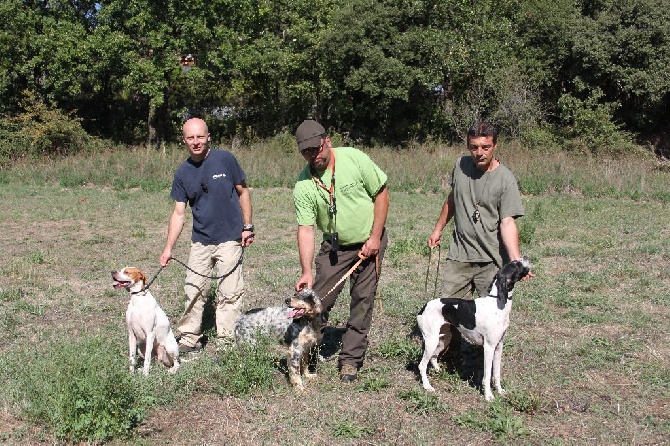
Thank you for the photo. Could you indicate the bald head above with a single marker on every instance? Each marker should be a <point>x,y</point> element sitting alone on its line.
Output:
<point>196,125</point>
<point>196,137</point>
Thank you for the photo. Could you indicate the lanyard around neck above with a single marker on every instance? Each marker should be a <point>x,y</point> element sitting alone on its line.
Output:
<point>332,210</point>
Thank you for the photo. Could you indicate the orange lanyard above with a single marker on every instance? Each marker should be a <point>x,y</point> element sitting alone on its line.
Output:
<point>332,210</point>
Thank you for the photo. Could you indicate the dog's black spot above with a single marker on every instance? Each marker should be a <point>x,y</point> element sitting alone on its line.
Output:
<point>506,278</point>
<point>293,330</point>
<point>459,312</point>
<point>253,311</point>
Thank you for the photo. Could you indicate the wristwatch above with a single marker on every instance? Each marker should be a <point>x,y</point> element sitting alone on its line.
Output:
<point>249,227</point>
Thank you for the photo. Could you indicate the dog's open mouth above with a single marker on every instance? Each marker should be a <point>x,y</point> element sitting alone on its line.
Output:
<point>120,284</point>
<point>295,313</point>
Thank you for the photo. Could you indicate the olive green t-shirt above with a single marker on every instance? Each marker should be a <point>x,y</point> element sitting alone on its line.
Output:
<point>498,196</point>
<point>357,181</point>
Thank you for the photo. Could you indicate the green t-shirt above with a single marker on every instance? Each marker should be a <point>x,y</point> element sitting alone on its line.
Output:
<point>498,196</point>
<point>357,181</point>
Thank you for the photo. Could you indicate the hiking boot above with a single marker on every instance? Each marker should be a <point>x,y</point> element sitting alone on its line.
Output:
<point>326,357</point>
<point>348,373</point>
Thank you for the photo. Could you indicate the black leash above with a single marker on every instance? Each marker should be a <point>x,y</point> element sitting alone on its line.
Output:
<point>239,262</point>
<point>148,284</point>
<point>437,273</point>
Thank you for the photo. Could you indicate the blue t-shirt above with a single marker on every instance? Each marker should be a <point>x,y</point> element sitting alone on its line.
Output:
<point>209,188</point>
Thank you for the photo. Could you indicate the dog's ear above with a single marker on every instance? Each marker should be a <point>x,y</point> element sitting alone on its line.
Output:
<point>502,285</point>
<point>137,275</point>
<point>318,307</point>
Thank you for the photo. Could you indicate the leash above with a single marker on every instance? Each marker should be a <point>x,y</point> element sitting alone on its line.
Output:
<point>361,257</point>
<point>148,284</point>
<point>192,302</point>
<point>239,261</point>
<point>437,272</point>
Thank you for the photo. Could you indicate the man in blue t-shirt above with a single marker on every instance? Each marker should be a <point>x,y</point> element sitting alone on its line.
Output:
<point>213,184</point>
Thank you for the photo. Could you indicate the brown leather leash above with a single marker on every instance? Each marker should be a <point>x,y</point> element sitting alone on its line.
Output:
<point>361,257</point>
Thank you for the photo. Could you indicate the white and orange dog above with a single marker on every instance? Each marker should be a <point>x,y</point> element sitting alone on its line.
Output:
<point>149,331</point>
<point>483,321</point>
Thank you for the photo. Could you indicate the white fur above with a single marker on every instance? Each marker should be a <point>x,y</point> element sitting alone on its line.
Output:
<point>149,329</point>
<point>491,323</point>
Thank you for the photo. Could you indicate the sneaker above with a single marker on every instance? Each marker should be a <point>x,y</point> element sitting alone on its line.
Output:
<point>348,373</point>
<point>187,349</point>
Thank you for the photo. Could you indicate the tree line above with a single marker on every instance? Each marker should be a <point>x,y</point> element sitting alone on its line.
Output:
<point>377,71</point>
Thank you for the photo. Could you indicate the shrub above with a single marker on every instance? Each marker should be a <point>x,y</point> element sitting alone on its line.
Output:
<point>80,390</point>
<point>421,402</point>
<point>497,419</point>
<point>41,130</point>
<point>244,370</point>
<point>589,124</point>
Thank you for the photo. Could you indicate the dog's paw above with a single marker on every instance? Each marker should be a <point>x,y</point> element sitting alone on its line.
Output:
<point>501,391</point>
<point>309,376</point>
<point>299,388</point>
<point>428,388</point>
<point>489,397</point>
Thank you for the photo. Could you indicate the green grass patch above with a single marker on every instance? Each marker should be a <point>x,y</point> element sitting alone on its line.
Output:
<point>497,419</point>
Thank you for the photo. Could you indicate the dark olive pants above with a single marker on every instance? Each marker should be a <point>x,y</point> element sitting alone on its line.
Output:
<point>330,268</point>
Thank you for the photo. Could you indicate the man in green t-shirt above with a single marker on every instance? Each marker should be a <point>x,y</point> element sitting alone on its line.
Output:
<point>484,202</point>
<point>344,194</point>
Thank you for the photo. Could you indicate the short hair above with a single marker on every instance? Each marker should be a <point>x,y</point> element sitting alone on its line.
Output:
<point>480,129</point>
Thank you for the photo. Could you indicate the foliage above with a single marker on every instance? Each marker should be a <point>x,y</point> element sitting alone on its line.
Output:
<point>401,348</point>
<point>591,120</point>
<point>374,70</point>
<point>350,429</point>
<point>497,419</point>
<point>421,402</point>
<point>81,390</point>
<point>41,130</point>
<point>241,371</point>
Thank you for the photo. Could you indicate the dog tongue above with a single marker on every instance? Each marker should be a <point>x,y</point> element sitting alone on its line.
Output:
<point>295,312</point>
<point>118,284</point>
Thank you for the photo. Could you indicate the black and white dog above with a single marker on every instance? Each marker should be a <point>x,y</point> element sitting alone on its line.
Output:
<point>482,321</point>
<point>296,325</point>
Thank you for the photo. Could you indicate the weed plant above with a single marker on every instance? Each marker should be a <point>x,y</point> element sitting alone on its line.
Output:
<point>423,169</point>
<point>78,389</point>
<point>587,344</point>
<point>497,418</point>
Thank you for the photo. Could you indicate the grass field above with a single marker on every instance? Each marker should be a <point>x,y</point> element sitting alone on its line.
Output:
<point>586,359</point>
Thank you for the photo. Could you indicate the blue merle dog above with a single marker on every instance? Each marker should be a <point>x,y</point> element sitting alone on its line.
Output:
<point>296,325</point>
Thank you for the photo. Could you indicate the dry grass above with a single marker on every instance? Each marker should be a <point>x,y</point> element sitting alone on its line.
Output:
<point>586,360</point>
